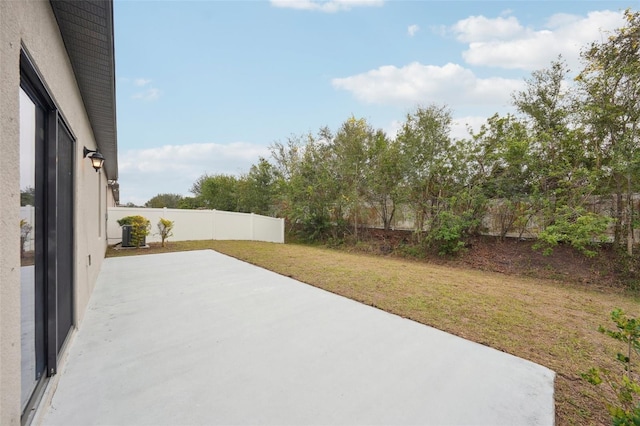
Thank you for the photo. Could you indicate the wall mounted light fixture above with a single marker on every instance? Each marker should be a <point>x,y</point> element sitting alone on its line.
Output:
<point>96,158</point>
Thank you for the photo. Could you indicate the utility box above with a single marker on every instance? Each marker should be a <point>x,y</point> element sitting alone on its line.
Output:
<point>127,230</point>
<point>127,237</point>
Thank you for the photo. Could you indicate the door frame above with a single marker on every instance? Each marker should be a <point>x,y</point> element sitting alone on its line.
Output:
<point>49,341</point>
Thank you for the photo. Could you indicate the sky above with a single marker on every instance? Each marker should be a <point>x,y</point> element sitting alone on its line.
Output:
<point>205,87</point>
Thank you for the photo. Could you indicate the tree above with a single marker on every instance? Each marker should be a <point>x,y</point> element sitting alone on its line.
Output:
<point>217,192</point>
<point>191,203</point>
<point>306,179</point>
<point>426,152</point>
<point>560,171</point>
<point>384,177</point>
<point>350,146</point>
<point>256,189</point>
<point>499,167</point>
<point>165,228</point>
<point>610,87</point>
<point>170,201</point>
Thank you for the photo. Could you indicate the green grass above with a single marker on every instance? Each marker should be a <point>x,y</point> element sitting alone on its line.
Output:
<point>552,323</point>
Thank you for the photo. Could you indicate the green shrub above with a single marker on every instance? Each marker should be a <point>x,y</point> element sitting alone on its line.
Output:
<point>165,227</point>
<point>583,230</point>
<point>626,410</point>
<point>25,230</point>
<point>448,233</point>
<point>140,227</point>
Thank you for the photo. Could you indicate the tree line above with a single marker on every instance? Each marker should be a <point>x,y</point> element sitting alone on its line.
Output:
<point>568,142</point>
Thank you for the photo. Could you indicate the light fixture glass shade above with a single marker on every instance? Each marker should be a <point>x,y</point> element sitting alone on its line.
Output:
<point>97,160</point>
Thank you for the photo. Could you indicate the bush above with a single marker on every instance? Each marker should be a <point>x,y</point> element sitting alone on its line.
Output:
<point>448,233</point>
<point>165,227</point>
<point>583,230</point>
<point>25,230</point>
<point>626,410</point>
<point>140,227</point>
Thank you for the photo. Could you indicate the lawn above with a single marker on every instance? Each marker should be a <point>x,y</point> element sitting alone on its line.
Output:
<point>552,323</point>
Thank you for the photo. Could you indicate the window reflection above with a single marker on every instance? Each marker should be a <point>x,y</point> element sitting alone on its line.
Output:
<point>27,245</point>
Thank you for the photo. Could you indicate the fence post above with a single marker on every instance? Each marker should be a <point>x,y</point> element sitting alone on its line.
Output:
<point>282,230</point>
<point>252,227</point>
<point>213,224</point>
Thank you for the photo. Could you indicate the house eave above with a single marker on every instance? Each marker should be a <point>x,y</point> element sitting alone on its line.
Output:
<point>86,27</point>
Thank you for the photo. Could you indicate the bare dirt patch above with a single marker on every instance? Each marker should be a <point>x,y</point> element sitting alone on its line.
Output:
<point>513,257</point>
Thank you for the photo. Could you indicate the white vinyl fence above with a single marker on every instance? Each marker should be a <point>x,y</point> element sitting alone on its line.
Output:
<point>200,225</point>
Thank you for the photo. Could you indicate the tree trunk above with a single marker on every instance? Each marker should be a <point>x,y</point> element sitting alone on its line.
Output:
<point>629,218</point>
<point>617,235</point>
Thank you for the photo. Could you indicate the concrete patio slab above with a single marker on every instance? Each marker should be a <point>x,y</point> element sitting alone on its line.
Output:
<point>199,338</point>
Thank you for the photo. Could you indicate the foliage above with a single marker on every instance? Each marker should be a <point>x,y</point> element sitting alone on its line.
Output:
<point>191,203</point>
<point>451,228</point>
<point>170,201</point>
<point>583,230</point>
<point>165,228</point>
<point>384,176</point>
<point>567,146</point>
<point>257,188</point>
<point>610,108</point>
<point>25,230</point>
<point>140,228</point>
<point>217,192</point>
<point>28,196</point>
<point>626,410</point>
<point>428,160</point>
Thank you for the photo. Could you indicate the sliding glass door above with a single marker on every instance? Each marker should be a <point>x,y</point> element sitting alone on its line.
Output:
<point>32,300</point>
<point>47,187</point>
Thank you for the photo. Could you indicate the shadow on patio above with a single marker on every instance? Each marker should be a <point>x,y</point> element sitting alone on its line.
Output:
<point>195,338</point>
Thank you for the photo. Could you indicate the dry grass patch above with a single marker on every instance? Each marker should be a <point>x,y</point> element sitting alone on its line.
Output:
<point>548,322</point>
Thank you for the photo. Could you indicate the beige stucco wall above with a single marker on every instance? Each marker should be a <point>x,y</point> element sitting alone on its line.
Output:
<point>9,222</point>
<point>32,24</point>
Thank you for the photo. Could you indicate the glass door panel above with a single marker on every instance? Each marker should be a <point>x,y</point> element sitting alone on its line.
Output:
<point>31,273</point>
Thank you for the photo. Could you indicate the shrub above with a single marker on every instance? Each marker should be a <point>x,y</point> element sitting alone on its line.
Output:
<point>140,227</point>
<point>448,232</point>
<point>626,410</point>
<point>165,227</point>
<point>583,230</point>
<point>25,230</point>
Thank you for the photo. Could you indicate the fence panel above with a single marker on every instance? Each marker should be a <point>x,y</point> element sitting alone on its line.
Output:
<point>267,228</point>
<point>200,225</point>
<point>232,226</point>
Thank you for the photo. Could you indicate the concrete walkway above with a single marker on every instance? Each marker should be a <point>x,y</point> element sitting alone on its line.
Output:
<point>199,338</point>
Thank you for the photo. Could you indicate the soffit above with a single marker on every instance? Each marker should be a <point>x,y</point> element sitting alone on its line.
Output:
<point>87,32</point>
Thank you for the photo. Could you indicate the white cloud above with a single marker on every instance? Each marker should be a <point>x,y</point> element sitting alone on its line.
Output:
<point>412,30</point>
<point>479,28</point>
<point>450,84</point>
<point>504,42</point>
<point>141,81</point>
<point>330,6</point>
<point>145,173</point>
<point>151,94</point>
<point>393,128</point>
<point>460,126</point>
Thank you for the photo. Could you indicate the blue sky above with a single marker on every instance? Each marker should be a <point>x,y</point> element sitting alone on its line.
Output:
<point>207,86</point>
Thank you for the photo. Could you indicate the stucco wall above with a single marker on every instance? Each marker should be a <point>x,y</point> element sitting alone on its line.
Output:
<point>9,216</point>
<point>32,24</point>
